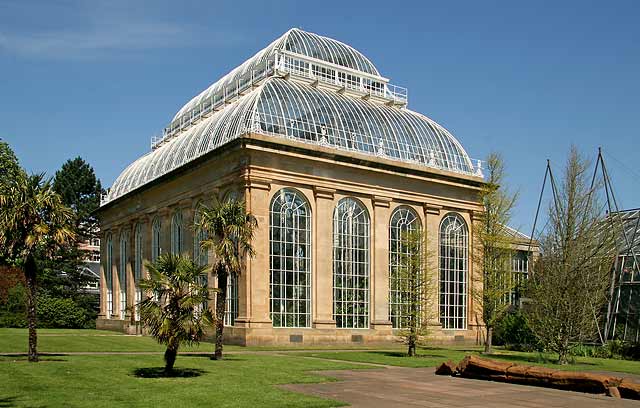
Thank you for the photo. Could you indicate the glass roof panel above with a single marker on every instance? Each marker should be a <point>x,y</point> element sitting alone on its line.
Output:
<point>289,109</point>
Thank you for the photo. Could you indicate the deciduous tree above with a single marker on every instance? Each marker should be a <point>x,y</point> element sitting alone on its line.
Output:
<point>568,289</point>
<point>414,275</point>
<point>494,248</point>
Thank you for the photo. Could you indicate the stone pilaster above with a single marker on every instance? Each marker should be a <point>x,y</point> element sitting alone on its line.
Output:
<point>474,317</point>
<point>323,257</point>
<point>103,278</point>
<point>380,271</point>
<point>253,285</point>
<point>432,217</point>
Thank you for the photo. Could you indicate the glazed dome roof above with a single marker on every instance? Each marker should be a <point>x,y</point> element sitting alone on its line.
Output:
<point>308,109</point>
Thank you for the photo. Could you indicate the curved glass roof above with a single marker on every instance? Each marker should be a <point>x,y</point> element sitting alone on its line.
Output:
<point>295,41</point>
<point>298,111</point>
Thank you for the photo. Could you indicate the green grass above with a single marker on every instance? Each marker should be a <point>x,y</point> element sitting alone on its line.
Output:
<point>238,381</point>
<point>430,357</point>
<point>109,381</point>
<point>58,340</point>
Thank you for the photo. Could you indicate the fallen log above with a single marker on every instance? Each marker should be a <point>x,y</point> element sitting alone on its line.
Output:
<point>476,367</point>
<point>446,368</point>
<point>629,390</point>
<point>583,382</point>
<point>485,369</point>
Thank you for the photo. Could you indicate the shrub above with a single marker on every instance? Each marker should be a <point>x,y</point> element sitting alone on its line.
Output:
<point>61,313</point>
<point>513,332</point>
<point>12,309</point>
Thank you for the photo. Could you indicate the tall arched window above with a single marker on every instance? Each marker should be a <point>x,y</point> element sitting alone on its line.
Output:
<point>290,259</point>
<point>454,254</point>
<point>403,220</point>
<point>108,276</point>
<point>176,233</point>
<point>351,264</point>
<point>156,230</point>
<point>231,311</point>
<point>122,272</point>
<point>200,256</point>
<point>137,265</point>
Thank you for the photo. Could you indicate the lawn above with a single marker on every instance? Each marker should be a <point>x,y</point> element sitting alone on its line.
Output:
<point>240,380</point>
<point>109,380</point>
<point>430,357</point>
<point>59,340</point>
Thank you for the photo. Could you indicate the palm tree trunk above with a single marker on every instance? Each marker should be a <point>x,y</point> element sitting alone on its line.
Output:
<point>170,358</point>
<point>30,269</point>
<point>221,304</point>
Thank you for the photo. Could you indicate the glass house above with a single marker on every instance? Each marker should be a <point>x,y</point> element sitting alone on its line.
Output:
<point>336,169</point>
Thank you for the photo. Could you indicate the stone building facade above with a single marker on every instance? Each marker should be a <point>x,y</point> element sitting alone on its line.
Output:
<point>334,167</point>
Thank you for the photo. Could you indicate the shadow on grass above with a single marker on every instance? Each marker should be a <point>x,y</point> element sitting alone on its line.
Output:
<point>536,359</point>
<point>400,354</point>
<point>7,402</point>
<point>225,357</point>
<point>158,372</point>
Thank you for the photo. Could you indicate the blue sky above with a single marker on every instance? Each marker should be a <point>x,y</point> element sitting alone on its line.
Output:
<point>527,79</point>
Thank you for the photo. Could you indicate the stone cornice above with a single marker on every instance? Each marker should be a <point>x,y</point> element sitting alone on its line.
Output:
<point>381,201</point>
<point>433,209</point>
<point>256,182</point>
<point>324,192</point>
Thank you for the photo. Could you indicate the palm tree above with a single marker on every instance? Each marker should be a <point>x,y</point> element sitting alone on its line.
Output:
<point>33,221</point>
<point>230,230</point>
<point>174,315</point>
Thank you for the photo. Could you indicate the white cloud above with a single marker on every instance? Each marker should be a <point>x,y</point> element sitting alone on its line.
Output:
<point>104,31</point>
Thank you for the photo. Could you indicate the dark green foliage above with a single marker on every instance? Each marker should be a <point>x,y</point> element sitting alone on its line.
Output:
<point>616,349</point>
<point>513,332</point>
<point>52,312</point>
<point>9,170</point>
<point>13,312</point>
<point>80,190</point>
<point>62,313</point>
<point>9,166</point>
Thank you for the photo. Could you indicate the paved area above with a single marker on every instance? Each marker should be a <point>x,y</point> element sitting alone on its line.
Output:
<point>420,387</point>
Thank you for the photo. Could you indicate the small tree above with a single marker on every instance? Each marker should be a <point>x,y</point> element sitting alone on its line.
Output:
<point>33,221</point>
<point>230,230</point>
<point>568,288</point>
<point>494,249</point>
<point>415,278</point>
<point>79,188</point>
<point>174,316</point>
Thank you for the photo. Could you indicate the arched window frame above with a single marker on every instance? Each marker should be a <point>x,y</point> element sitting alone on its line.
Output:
<point>200,256</point>
<point>290,254</point>
<point>454,271</point>
<point>138,242</point>
<point>122,271</point>
<point>156,237</point>
<point>351,264</point>
<point>404,219</point>
<point>177,233</point>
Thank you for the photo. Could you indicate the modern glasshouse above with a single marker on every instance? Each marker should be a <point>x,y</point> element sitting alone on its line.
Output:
<point>334,166</point>
<point>623,317</point>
